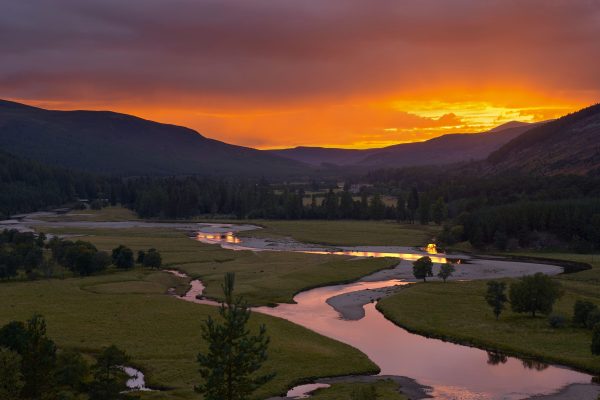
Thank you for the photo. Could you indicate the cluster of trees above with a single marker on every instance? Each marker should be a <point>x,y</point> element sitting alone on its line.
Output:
<point>423,269</point>
<point>24,251</point>
<point>533,294</point>
<point>32,367</point>
<point>181,198</point>
<point>537,294</point>
<point>505,211</point>
<point>84,258</point>
<point>20,250</point>
<point>519,225</point>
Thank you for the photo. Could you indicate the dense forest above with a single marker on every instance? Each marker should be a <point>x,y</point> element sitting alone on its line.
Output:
<point>500,211</point>
<point>31,186</point>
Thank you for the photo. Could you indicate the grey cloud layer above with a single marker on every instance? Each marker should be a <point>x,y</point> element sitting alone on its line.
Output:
<point>281,50</point>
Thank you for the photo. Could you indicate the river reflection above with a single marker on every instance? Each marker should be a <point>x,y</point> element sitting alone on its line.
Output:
<point>229,240</point>
<point>455,371</point>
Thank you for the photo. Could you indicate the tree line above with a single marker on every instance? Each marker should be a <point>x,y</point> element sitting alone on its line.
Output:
<point>32,186</point>
<point>34,256</point>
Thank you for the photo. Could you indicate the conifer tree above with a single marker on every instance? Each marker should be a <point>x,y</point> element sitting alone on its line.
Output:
<point>229,367</point>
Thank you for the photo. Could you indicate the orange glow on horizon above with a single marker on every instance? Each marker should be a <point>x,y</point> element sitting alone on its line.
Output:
<point>357,123</point>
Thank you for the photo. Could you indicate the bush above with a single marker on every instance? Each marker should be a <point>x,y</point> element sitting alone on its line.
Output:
<point>596,340</point>
<point>581,310</point>
<point>593,319</point>
<point>100,261</point>
<point>152,259</point>
<point>122,257</point>
<point>557,321</point>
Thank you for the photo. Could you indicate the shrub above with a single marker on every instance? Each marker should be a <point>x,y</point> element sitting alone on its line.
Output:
<point>122,257</point>
<point>557,321</point>
<point>593,319</point>
<point>581,310</point>
<point>152,259</point>
<point>596,340</point>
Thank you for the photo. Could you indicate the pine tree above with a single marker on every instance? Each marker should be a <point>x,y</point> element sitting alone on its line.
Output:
<point>39,360</point>
<point>229,367</point>
<point>439,211</point>
<point>108,383</point>
<point>11,379</point>
<point>413,203</point>
<point>496,296</point>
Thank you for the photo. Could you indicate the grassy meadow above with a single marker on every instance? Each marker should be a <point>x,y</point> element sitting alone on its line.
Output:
<point>133,310</point>
<point>263,278</point>
<point>162,333</point>
<point>457,311</point>
<point>348,233</point>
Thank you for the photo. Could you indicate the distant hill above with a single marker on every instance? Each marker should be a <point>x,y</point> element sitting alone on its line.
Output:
<point>113,143</point>
<point>568,145</point>
<point>445,149</point>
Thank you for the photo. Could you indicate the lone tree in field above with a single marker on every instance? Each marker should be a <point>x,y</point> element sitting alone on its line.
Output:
<point>446,271</point>
<point>496,296</point>
<point>422,268</point>
<point>234,356</point>
<point>534,293</point>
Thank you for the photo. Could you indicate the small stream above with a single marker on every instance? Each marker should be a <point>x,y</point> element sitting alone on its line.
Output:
<point>136,381</point>
<point>454,371</point>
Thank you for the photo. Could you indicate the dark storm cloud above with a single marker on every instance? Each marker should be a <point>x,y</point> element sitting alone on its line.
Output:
<point>280,50</point>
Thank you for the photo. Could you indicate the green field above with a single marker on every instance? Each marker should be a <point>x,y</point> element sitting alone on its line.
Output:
<point>162,333</point>
<point>457,311</point>
<point>116,213</point>
<point>348,233</point>
<point>263,278</point>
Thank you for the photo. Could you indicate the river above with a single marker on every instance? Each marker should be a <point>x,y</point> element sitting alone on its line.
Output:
<point>453,371</point>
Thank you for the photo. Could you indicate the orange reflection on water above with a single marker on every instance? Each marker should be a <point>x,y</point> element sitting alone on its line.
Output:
<point>376,254</point>
<point>231,238</point>
<point>228,237</point>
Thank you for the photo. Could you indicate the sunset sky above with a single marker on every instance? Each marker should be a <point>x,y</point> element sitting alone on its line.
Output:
<point>282,73</point>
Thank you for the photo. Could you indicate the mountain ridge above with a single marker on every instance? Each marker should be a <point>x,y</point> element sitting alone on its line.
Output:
<point>445,149</point>
<point>568,145</point>
<point>114,143</point>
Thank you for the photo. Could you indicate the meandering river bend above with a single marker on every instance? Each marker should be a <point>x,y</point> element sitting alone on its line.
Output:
<point>453,371</point>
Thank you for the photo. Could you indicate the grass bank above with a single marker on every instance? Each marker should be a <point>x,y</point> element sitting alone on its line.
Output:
<point>384,389</point>
<point>263,278</point>
<point>457,311</point>
<point>348,233</point>
<point>162,333</point>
